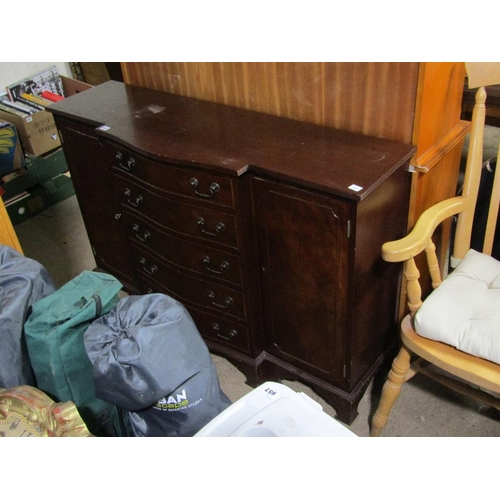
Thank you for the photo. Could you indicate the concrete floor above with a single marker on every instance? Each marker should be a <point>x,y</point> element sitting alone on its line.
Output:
<point>57,239</point>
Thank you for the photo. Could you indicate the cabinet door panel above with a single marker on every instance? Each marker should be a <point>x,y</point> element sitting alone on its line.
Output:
<point>304,251</point>
<point>94,189</point>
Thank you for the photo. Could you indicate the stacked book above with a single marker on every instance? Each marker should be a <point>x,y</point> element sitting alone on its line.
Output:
<point>34,93</point>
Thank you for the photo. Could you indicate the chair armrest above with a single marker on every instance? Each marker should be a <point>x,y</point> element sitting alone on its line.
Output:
<point>418,238</point>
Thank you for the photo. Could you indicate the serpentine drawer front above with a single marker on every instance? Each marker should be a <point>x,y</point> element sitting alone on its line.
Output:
<point>224,331</point>
<point>208,261</point>
<point>189,289</point>
<point>190,220</point>
<point>268,230</point>
<point>174,180</point>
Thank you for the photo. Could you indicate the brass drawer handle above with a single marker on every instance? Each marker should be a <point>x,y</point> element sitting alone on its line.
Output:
<point>230,336</point>
<point>228,301</point>
<point>214,188</point>
<point>138,200</point>
<point>224,266</point>
<point>219,228</point>
<point>144,237</point>
<point>128,165</point>
<point>150,270</point>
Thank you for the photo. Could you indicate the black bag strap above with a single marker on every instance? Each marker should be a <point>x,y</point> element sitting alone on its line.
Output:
<point>98,304</point>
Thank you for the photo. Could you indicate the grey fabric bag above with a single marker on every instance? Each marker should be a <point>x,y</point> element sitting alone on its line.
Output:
<point>23,282</point>
<point>150,360</point>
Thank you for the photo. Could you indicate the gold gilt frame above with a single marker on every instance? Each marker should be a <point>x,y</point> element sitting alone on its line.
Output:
<point>28,412</point>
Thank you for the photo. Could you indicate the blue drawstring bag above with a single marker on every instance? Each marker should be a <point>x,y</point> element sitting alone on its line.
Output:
<point>149,359</point>
<point>23,282</point>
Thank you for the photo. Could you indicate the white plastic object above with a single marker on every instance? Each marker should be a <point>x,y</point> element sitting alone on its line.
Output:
<point>274,410</point>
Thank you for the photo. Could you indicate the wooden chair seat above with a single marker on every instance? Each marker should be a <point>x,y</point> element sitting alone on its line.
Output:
<point>464,311</point>
<point>474,370</point>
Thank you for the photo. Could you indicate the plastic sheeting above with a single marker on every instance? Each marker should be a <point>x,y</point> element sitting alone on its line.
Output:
<point>150,360</point>
<point>23,282</point>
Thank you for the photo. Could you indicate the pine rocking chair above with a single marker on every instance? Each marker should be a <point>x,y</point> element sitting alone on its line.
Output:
<point>457,327</point>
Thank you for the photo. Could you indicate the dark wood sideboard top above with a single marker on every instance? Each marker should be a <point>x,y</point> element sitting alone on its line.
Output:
<point>202,134</point>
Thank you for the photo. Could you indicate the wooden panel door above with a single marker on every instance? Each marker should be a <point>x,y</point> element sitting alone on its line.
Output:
<point>304,248</point>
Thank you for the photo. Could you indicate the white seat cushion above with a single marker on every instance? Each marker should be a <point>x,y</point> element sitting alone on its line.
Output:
<point>464,311</point>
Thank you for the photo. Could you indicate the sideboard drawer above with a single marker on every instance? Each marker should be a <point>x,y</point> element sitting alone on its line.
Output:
<point>209,225</point>
<point>221,330</point>
<point>210,262</point>
<point>188,289</point>
<point>194,184</point>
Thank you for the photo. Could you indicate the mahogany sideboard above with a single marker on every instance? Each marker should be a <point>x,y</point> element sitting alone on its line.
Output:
<point>267,229</point>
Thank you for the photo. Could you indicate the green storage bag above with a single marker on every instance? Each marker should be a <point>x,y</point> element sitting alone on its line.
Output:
<point>54,336</point>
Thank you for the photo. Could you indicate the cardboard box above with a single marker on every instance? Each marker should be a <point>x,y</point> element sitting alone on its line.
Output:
<point>11,155</point>
<point>72,86</point>
<point>25,206</point>
<point>57,189</point>
<point>46,167</point>
<point>37,170</point>
<point>38,132</point>
<point>18,182</point>
<point>39,198</point>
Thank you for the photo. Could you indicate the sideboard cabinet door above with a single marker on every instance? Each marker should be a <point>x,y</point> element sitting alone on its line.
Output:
<point>304,254</point>
<point>92,178</point>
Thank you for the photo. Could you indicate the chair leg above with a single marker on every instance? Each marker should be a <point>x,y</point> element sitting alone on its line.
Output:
<point>391,390</point>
